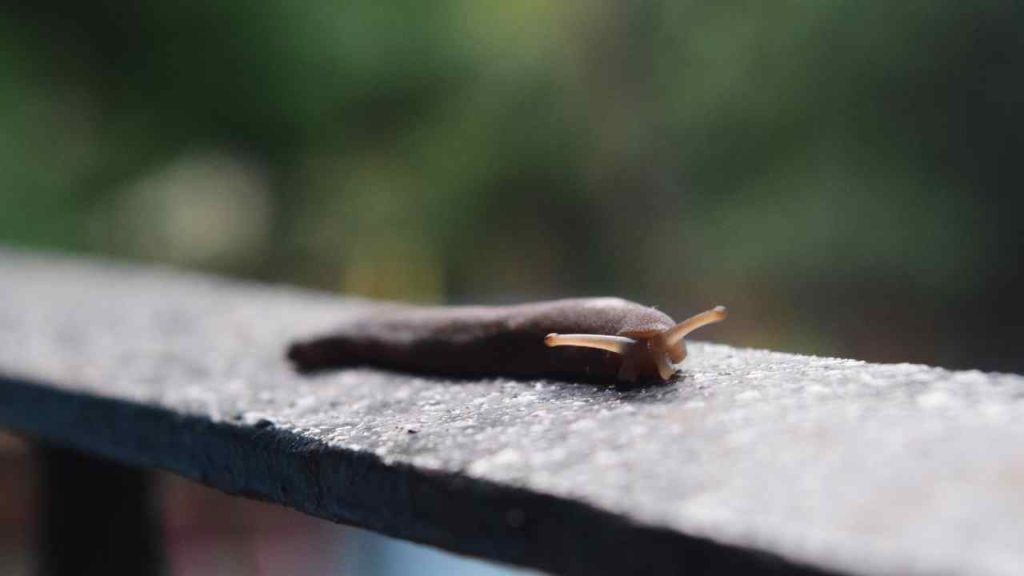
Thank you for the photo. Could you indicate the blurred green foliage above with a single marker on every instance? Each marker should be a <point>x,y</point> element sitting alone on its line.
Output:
<point>844,175</point>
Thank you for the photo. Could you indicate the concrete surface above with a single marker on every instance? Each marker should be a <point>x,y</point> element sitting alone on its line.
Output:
<point>753,462</point>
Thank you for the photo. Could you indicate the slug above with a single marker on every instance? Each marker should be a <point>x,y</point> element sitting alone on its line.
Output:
<point>588,339</point>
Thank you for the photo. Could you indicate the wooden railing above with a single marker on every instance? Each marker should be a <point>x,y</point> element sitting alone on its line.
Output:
<point>753,462</point>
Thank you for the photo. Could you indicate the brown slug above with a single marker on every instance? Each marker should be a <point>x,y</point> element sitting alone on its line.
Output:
<point>590,339</point>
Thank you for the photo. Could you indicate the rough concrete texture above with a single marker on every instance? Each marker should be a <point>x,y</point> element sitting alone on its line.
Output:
<point>753,462</point>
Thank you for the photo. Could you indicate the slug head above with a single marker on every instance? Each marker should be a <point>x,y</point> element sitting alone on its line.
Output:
<point>647,355</point>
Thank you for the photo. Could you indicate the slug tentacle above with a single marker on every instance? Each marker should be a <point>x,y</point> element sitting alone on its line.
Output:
<point>675,334</point>
<point>665,368</point>
<point>616,344</point>
<point>656,353</point>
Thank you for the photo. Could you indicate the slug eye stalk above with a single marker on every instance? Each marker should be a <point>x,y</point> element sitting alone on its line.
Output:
<point>616,344</point>
<point>656,351</point>
<point>676,333</point>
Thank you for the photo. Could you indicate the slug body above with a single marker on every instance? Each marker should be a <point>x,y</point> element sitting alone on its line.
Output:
<point>590,339</point>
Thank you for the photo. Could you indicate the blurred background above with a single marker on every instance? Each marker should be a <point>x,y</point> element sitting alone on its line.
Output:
<point>845,176</point>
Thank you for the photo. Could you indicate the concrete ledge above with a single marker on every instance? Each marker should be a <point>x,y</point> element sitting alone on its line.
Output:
<point>754,462</point>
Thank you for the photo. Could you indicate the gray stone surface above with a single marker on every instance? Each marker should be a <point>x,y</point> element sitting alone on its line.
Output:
<point>754,461</point>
